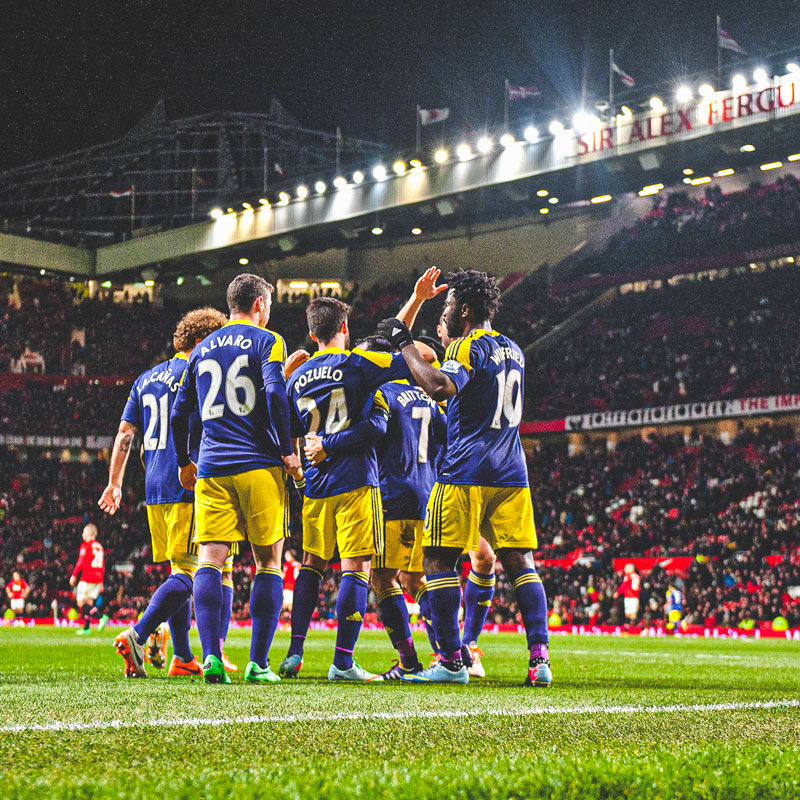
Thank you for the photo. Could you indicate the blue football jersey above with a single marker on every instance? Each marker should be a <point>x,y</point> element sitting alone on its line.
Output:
<point>327,394</point>
<point>483,446</point>
<point>148,408</point>
<point>226,378</point>
<point>407,454</point>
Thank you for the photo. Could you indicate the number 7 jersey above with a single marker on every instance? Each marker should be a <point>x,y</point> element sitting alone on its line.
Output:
<point>483,446</point>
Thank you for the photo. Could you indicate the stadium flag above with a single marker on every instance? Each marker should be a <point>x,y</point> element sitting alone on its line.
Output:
<point>623,76</point>
<point>120,193</point>
<point>428,116</point>
<point>521,92</point>
<point>726,42</point>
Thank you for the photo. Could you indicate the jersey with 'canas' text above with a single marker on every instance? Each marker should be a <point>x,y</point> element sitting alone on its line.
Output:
<point>483,445</point>
<point>148,408</point>
<point>327,394</point>
<point>225,380</point>
<point>407,453</point>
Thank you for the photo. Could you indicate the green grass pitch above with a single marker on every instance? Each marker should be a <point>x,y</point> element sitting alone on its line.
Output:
<point>626,717</point>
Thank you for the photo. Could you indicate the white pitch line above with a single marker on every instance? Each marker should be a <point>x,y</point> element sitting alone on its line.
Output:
<point>200,722</point>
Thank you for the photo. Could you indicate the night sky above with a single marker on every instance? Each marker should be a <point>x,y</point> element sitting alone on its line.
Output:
<point>72,78</point>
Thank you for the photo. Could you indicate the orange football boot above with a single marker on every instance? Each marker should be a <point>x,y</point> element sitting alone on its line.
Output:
<point>180,669</point>
<point>229,665</point>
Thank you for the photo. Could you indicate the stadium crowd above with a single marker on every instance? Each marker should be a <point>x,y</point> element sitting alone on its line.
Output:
<point>681,227</point>
<point>731,508</point>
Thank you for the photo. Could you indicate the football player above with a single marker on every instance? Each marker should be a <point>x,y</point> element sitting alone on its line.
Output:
<point>170,508</point>
<point>482,488</point>
<point>235,377</point>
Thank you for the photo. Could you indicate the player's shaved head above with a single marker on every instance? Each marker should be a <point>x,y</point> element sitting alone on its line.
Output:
<point>325,316</point>
<point>244,290</point>
<point>472,294</point>
<point>195,325</point>
<point>89,532</point>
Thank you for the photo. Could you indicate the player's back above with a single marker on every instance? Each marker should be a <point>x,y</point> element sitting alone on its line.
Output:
<point>226,379</point>
<point>327,394</point>
<point>483,444</point>
<point>407,453</point>
<point>92,562</point>
<point>148,408</point>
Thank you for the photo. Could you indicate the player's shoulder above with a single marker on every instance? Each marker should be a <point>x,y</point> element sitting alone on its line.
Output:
<point>360,358</point>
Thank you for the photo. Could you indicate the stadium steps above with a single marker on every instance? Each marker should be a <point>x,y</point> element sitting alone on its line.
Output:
<point>572,323</point>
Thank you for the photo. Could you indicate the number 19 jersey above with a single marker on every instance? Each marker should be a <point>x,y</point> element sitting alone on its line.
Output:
<point>327,394</point>
<point>148,408</point>
<point>483,445</point>
<point>226,376</point>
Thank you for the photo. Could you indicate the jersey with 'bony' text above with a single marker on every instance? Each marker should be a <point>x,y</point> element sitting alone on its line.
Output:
<point>483,445</point>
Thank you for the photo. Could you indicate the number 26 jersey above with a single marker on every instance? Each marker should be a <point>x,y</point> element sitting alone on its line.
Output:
<point>483,446</point>
<point>226,378</point>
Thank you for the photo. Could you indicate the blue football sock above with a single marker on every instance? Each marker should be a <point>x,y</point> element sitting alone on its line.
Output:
<point>306,596</point>
<point>207,607</point>
<point>179,624</point>
<point>478,594</point>
<point>445,598</point>
<point>166,600</point>
<point>532,604</point>
<point>266,597</point>
<point>394,615</point>
<point>351,605</point>
<point>227,609</point>
<point>425,612</point>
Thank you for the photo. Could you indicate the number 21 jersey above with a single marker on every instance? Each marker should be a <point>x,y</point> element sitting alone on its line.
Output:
<point>483,446</point>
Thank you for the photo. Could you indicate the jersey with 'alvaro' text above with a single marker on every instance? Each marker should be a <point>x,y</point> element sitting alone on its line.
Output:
<point>327,394</point>
<point>483,445</point>
<point>226,378</point>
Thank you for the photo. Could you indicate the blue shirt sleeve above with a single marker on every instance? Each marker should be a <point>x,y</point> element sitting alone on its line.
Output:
<point>131,412</point>
<point>362,434</point>
<point>380,368</point>
<point>273,357</point>
<point>458,364</point>
<point>185,403</point>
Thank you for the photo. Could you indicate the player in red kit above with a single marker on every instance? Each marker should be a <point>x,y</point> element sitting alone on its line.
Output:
<point>88,574</point>
<point>17,590</point>
<point>629,589</point>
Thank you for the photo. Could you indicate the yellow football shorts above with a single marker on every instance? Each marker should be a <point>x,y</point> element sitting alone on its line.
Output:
<point>675,616</point>
<point>457,516</point>
<point>353,520</point>
<point>171,527</point>
<point>250,506</point>
<point>402,547</point>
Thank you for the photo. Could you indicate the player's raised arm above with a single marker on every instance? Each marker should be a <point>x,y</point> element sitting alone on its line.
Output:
<point>425,289</point>
<point>434,382</point>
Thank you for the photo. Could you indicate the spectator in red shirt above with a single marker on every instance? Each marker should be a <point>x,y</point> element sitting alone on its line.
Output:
<point>17,590</point>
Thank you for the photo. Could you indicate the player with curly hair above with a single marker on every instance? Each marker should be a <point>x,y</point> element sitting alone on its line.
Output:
<point>170,508</point>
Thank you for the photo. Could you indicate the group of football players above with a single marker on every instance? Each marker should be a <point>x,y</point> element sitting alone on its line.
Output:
<point>407,454</point>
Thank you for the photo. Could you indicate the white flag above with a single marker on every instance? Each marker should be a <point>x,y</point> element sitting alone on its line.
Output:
<point>427,116</point>
<point>727,42</point>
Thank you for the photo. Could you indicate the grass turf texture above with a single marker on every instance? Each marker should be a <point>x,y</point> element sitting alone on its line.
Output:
<point>51,676</point>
